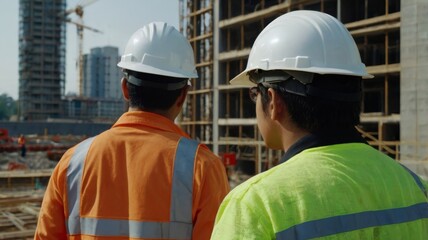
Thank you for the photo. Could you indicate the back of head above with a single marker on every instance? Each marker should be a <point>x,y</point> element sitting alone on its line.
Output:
<point>315,60</point>
<point>158,61</point>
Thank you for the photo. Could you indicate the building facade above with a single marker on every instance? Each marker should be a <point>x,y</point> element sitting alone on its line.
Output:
<point>101,101</point>
<point>95,110</point>
<point>101,76</point>
<point>390,34</point>
<point>42,35</point>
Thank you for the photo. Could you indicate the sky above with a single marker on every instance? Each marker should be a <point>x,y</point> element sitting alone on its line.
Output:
<point>117,19</point>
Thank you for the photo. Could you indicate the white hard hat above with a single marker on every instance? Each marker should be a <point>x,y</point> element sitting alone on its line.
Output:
<point>304,42</point>
<point>158,48</point>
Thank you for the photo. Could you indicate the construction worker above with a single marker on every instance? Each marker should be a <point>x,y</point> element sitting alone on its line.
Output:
<point>144,178</point>
<point>22,146</point>
<point>305,74</point>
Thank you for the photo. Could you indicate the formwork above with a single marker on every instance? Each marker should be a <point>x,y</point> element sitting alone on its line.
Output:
<point>21,194</point>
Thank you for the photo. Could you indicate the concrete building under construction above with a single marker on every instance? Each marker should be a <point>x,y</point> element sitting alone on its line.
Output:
<point>390,34</point>
<point>42,51</point>
<point>42,34</point>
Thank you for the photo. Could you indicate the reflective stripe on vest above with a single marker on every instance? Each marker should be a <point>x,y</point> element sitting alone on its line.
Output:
<point>180,225</point>
<point>345,223</point>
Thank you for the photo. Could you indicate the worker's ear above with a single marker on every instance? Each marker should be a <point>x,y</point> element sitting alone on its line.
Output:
<point>276,105</point>
<point>125,92</point>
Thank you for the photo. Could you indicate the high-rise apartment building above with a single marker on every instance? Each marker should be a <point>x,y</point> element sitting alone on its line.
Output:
<point>42,35</point>
<point>101,76</point>
<point>390,34</point>
<point>101,100</point>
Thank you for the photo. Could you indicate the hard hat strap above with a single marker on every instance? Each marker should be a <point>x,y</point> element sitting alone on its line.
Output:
<point>273,76</point>
<point>150,84</point>
<point>299,83</point>
<point>294,86</point>
<point>259,76</point>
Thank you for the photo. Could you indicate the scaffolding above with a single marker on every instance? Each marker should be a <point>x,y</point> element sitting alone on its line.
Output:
<point>222,33</point>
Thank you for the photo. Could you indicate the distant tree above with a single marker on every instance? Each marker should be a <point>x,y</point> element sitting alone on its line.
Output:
<point>8,106</point>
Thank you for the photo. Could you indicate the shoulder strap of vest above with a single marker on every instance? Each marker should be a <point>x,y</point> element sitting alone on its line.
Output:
<point>417,180</point>
<point>74,179</point>
<point>182,180</point>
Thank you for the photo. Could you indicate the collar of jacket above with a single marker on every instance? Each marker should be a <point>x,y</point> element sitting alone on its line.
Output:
<point>149,119</point>
<point>323,138</point>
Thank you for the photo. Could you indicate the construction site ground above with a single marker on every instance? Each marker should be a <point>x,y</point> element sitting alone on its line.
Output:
<point>22,185</point>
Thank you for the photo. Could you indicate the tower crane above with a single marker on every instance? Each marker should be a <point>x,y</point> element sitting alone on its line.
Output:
<point>78,10</point>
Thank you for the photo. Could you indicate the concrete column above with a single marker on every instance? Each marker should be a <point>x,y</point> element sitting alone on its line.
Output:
<point>414,85</point>
<point>216,41</point>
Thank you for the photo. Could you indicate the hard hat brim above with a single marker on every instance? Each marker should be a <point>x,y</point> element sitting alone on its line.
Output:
<point>156,71</point>
<point>242,79</point>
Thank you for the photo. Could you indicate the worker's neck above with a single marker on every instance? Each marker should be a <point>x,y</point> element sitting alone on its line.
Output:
<point>292,139</point>
<point>291,135</point>
<point>166,113</point>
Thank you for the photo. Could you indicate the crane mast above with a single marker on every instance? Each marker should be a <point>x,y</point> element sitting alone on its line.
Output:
<point>78,10</point>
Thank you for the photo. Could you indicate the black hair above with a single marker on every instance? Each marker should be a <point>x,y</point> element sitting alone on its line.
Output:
<point>315,114</point>
<point>148,98</point>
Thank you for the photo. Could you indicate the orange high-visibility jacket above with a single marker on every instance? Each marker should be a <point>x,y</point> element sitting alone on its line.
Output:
<point>141,179</point>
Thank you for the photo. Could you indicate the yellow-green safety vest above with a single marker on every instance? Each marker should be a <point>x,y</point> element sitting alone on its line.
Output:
<point>342,191</point>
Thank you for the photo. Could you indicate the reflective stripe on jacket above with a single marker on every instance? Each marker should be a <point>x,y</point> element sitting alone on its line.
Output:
<point>180,224</point>
<point>343,191</point>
